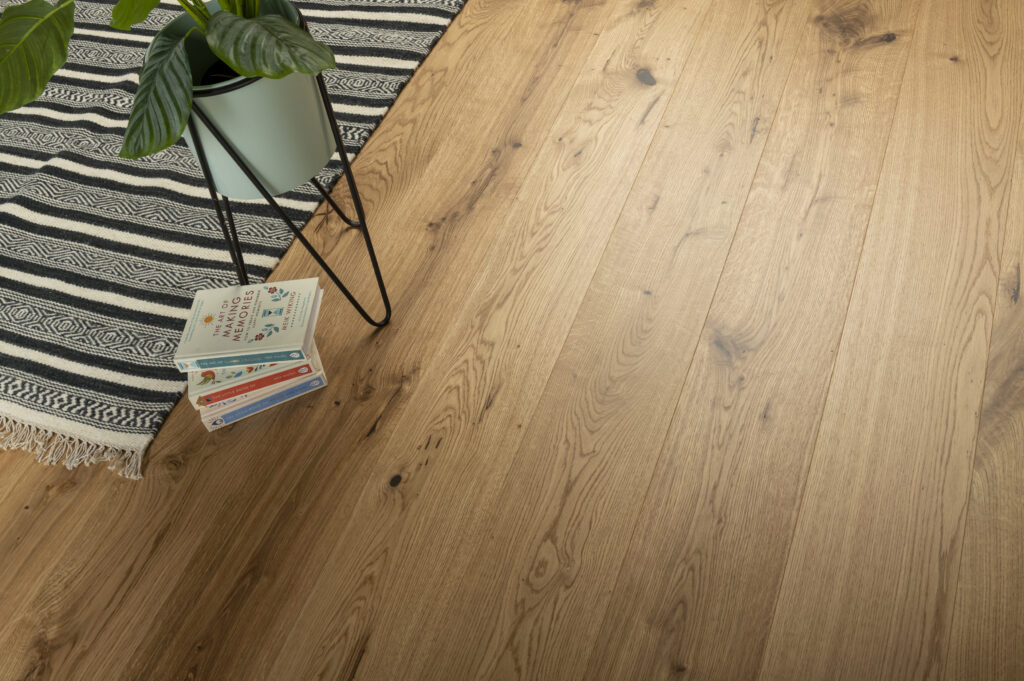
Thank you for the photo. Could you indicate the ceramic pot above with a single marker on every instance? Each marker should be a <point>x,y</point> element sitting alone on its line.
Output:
<point>279,126</point>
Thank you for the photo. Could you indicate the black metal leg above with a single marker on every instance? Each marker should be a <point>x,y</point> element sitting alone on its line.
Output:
<point>369,248</point>
<point>235,245</point>
<point>231,235</point>
<point>334,206</point>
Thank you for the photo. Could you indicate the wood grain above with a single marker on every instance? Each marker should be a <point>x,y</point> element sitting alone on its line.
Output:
<point>695,595</point>
<point>537,272</point>
<point>558,528</point>
<point>559,198</point>
<point>870,584</point>
<point>988,619</point>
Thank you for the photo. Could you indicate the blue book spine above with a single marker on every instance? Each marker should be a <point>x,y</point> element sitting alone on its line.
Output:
<point>267,402</point>
<point>236,360</point>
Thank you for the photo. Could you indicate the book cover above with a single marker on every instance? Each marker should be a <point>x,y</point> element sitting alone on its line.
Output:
<point>210,387</point>
<point>244,398</point>
<point>224,417</point>
<point>249,325</point>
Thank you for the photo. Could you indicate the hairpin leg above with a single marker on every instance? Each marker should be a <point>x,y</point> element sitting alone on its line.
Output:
<point>231,235</point>
<point>235,244</point>
<point>227,227</point>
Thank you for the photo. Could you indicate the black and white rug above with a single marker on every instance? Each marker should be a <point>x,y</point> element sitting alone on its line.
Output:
<point>101,256</point>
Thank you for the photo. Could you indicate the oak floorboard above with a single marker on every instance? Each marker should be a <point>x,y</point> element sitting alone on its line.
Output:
<point>869,589</point>
<point>502,347</point>
<point>327,539</point>
<point>529,601</point>
<point>695,594</point>
<point>38,507</point>
<point>988,618</point>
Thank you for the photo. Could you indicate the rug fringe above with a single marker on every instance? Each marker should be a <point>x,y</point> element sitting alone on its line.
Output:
<point>52,448</point>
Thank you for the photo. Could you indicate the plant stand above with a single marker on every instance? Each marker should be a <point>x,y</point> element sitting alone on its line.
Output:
<point>227,221</point>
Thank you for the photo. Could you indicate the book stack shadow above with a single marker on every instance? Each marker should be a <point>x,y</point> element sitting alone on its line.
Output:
<point>247,349</point>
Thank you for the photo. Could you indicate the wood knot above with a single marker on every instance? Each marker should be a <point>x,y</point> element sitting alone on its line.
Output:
<point>874,40</point>
<point>845,26</point>
<point>645,77</point>
<point>727,349</point>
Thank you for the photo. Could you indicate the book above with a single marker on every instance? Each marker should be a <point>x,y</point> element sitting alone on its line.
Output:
<point>209,387</point>
<point>292,373</point>
<point>245,398</point>
<point>250,325</point>
<point>218,418</point>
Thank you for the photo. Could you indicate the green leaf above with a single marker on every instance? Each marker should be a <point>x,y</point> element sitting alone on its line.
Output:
<point>163,100</point>
<point>127,13</point>
<point>280,7</point>
<point>268,46</point>
<point>242,8</point>
<point>33,45</point>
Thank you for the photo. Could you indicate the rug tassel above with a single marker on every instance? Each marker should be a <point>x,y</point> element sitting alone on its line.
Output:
<point>53,448</point>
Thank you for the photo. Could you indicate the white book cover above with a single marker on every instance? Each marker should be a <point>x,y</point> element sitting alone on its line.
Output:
<point>249,325</point>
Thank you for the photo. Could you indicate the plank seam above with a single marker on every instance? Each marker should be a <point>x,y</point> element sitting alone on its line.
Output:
<point>839,342</point>
<point>981,408</point>
<point>707,313</point>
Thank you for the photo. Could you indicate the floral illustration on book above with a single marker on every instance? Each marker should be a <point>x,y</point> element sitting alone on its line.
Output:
<point>268,330</point>
<point>276,294</point>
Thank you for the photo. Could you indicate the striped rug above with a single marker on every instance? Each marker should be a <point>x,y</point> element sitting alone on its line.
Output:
<point>101,256</point>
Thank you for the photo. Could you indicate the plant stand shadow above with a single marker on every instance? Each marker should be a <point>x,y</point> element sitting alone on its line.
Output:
<point>227,221</point>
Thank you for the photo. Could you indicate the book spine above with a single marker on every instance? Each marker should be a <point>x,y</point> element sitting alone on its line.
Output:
<point>206,412</point>
<point>257,406</point>
<point>235,360</point>
<point>255,384</point>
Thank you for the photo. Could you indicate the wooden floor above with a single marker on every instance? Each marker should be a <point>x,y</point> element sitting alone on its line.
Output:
<point>707,363</point>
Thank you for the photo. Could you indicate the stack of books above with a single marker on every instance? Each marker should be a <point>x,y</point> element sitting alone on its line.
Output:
<point>249,348</point>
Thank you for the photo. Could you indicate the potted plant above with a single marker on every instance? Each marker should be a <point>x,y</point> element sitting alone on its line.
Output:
<point>250,62</point>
